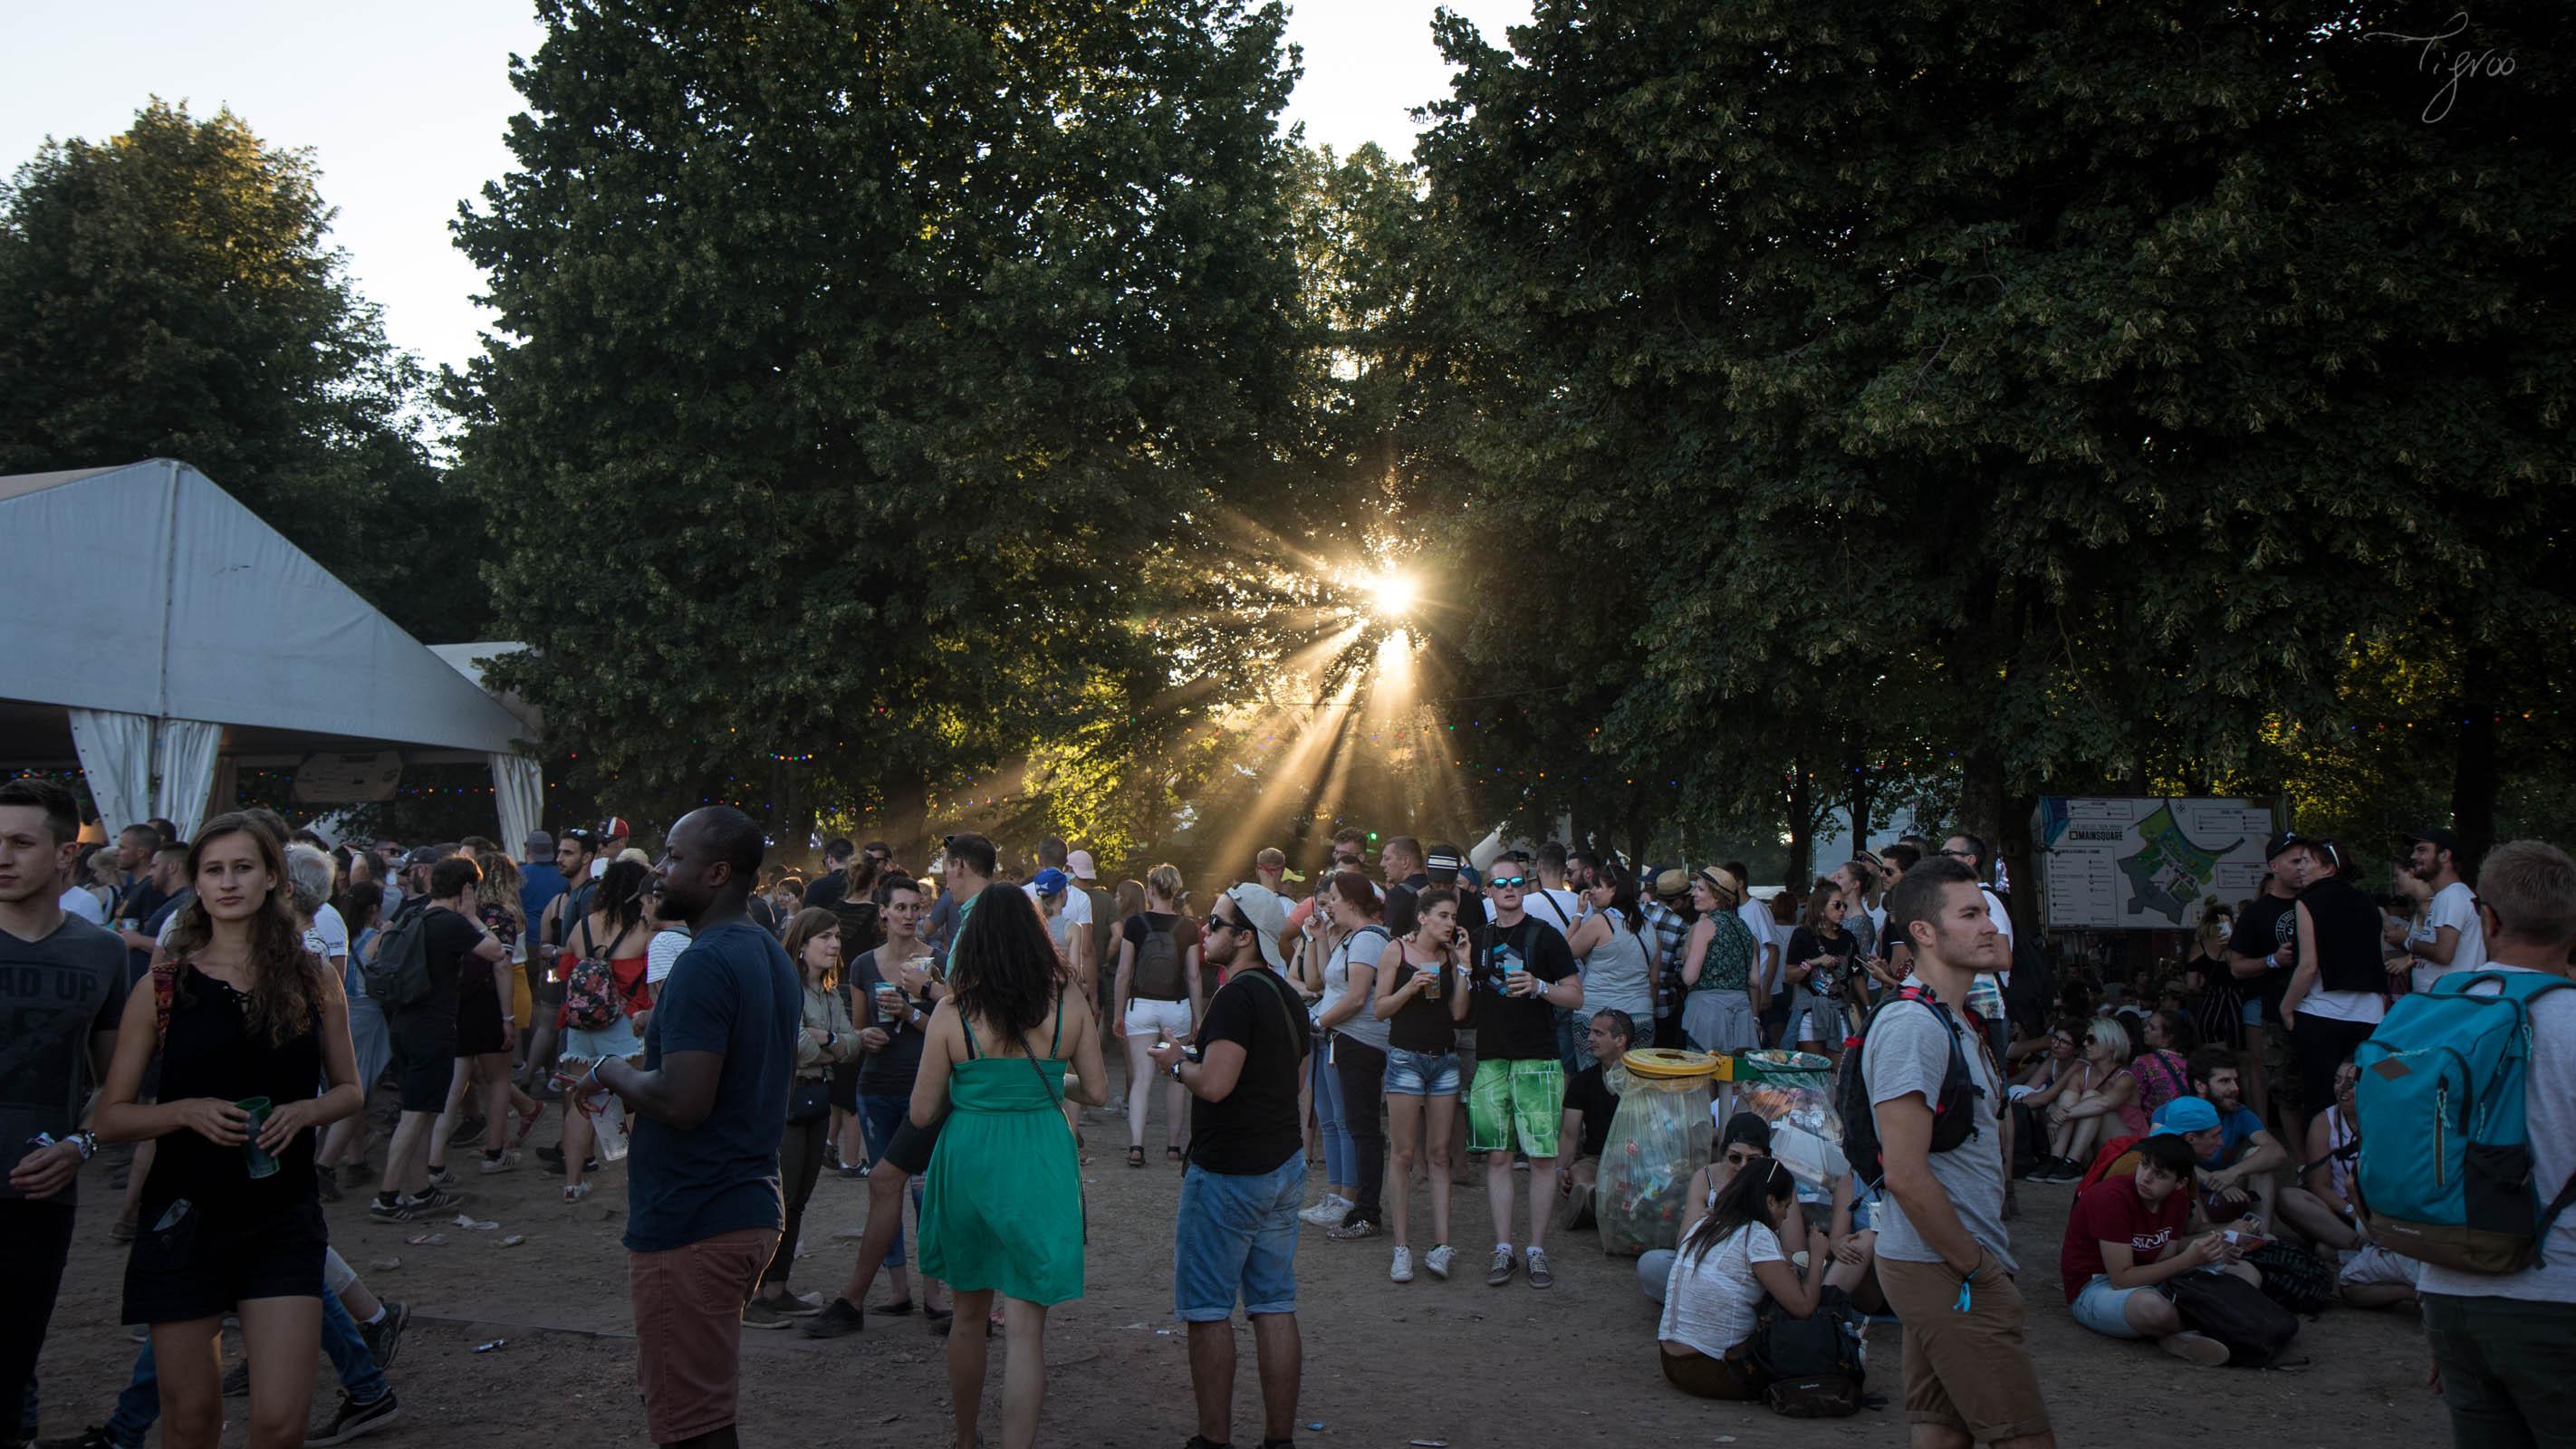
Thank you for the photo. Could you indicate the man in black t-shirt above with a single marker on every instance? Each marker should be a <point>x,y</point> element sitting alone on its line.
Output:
<point>1589,1106</point>
<point>1235,1237</point>
<point>424,1036</point>
<point>1521,973</point>
<point>827,892</point>
<point>2261,953</point>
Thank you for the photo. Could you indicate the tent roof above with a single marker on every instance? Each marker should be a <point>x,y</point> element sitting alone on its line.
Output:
<point>149,590</point>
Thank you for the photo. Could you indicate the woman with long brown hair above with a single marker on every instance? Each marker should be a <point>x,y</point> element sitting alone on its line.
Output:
<point>1003,1209</point>
<point>246,1022</point>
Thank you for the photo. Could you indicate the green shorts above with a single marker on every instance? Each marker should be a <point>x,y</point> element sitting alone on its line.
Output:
<point>1525,1095</point>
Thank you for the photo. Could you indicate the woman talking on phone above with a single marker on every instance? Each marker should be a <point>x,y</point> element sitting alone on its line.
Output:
<point>1422,1005</point>
<point>231,1221</point>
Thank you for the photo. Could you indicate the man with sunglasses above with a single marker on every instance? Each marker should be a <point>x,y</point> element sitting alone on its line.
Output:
<point>1235,1237</point>
<point>1522,972</point>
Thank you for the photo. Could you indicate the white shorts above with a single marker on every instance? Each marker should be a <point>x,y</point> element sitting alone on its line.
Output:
<point>2371,1266</point>
<point>1148,1017</point>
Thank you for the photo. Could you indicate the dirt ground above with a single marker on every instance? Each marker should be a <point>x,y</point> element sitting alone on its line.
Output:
<point>1386,1364</point>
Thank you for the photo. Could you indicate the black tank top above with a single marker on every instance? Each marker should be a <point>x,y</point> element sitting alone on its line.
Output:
<point>2348,939</point>
<point>210,1052</point>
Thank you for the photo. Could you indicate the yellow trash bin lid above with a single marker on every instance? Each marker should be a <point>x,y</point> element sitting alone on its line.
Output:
<point>1665,1064</point>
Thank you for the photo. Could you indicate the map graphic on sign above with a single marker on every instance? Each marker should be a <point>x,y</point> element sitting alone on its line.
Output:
<point>2147,864</point>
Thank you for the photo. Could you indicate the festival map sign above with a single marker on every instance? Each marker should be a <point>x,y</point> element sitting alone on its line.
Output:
<point>2119,863</point>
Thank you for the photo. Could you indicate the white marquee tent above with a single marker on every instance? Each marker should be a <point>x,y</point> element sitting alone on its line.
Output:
<point>162,635</point>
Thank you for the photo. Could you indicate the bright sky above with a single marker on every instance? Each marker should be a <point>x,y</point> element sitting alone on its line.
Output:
<point>404,105</point>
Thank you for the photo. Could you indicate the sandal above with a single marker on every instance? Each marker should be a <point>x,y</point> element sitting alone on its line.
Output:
<point>1135,1157</point>
<point>896,1309</point>
<point>1171,1154</point>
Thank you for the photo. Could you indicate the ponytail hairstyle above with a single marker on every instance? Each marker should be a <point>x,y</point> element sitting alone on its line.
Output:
<point>1758,1193</point>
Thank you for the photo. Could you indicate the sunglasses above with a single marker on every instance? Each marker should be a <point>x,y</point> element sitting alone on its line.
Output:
<point>1216,923</point>
<point>1507,882</point>
<point>1960,854</point>
<point>1738,1156</point>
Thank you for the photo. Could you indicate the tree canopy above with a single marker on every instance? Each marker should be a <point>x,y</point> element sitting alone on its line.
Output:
<point>172,292</point>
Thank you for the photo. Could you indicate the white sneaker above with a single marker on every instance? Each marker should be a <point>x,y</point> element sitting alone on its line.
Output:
<point>1327,1212</point>
<point>1436,1262</point>
<point>1402,1271</point>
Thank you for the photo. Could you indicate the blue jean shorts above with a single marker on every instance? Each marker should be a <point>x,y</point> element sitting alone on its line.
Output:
<point>1420,1074</point>
<point>1237,1238</point>
<point>2105,1309</point>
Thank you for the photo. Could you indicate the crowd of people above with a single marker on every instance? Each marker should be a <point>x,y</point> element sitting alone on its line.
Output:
<point>221,1013</point>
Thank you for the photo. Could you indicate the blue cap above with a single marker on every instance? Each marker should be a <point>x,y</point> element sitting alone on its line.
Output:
<point>2183,1116</point>
<point>1049,882</point>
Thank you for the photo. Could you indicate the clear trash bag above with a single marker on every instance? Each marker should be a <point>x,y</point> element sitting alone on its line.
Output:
<point>1659,1136</point>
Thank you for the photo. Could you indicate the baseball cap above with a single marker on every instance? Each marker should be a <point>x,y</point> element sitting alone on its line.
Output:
<point>1260,905</point>
<point>1079,866</point>
<point>1441,863</point>
<point>2281,842</point>
<point>1670,884</point>
<point>2183,1116</point>
<point>1049,882</point>
<point>614,828</point>
<point>423,855</point>
<point>2437,837</point>
<point>539,843</point>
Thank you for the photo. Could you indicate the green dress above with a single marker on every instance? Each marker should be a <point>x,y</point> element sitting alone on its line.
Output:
<point>1003,1203</point>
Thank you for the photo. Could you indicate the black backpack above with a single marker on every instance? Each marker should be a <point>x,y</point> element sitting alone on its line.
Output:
<point>1954,1117</point>
<point>1816,1365</point>
<point>2235,1312</point>
<point>1157,972</point>
<point>2295,1278</point>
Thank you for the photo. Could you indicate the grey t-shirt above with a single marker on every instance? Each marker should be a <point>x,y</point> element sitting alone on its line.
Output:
<point>54,994</point>
<point>1908,1052</point>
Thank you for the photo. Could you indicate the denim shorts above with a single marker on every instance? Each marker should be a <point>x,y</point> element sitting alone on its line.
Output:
<point>1236,1237</point>
<point>1420,1074</point>
<point>2105,1309</point>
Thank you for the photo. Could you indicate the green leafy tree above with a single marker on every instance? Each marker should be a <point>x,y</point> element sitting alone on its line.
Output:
<point>2103,374</point>
<point>858,361</point>
<point>171,292</point>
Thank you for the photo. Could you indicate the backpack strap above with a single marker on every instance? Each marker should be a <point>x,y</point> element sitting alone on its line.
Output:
<point>2549,1215</point>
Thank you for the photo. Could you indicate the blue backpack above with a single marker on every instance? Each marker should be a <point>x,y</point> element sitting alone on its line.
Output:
<point>2445,1172</point>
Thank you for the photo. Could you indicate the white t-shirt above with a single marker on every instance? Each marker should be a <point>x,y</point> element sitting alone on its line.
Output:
<point>2549,1105</point>
<point>329,936</point>
<point>1757,918</point>
<point>662,953</point>
<point>2454,905</point>
<point>1708,1301</point>
<point>1556,908</point>
<point>81,903</point>
<point>1077,906</point>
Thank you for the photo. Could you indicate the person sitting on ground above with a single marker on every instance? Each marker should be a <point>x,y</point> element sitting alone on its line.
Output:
<point>1589,1106</point>
<point>2076,1122</point>
<point>2163,1070</point>
<point>2051,1063</point>
<point>1745,1139</point>
<point>2239,1178</point>
<point>1731,1258</point>
<point>2127,1237</point>
<point>2325,1208</point>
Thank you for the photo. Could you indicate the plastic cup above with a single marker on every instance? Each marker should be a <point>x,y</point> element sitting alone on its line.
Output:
<point>260,1160</point>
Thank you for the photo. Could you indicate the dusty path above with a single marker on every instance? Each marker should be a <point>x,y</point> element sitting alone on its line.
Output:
<point>1385,1364</point>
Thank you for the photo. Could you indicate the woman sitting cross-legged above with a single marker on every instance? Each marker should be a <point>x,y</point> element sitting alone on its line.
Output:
<point>1729,1260</point>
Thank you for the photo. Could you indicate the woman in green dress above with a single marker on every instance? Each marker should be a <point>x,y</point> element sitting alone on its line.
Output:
<point>1003,1207</point>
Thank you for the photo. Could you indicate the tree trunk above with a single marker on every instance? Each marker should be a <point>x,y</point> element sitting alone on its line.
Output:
<point>1802,827</point>
<point>1856,760</point>
<point>2473,767</point>
<point>907,822</point>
